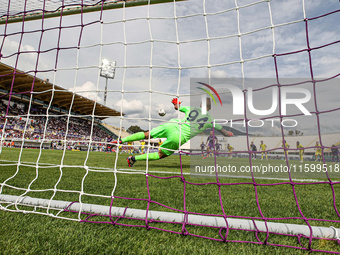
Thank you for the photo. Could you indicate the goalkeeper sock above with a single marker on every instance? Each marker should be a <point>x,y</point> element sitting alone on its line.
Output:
<point>135,137</point>
<point>152,156</point>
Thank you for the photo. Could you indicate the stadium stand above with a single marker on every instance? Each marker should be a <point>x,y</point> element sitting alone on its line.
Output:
<point>115,130</point>
<point>19,127</point>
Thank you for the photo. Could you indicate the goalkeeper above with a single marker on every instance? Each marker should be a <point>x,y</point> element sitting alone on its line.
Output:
<point>177,132</point>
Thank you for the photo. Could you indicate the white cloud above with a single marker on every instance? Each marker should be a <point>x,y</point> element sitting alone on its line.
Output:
<point>130,107</point>
<point>26,59</point>
<point>88,90</point>
<point>219,74</point>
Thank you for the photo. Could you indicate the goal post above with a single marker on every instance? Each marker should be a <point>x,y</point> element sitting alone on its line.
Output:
<point>72,9</point>
<point>175,218</point>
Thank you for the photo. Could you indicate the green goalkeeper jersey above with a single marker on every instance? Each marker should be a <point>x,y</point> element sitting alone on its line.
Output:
<point>194,122</point>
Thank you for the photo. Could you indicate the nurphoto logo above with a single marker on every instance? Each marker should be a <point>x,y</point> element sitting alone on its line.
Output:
<point>238,99</point>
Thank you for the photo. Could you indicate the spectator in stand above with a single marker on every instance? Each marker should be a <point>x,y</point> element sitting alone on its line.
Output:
<point>56,126</point>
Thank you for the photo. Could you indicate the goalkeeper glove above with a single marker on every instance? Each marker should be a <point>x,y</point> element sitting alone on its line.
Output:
<point>175,101</point>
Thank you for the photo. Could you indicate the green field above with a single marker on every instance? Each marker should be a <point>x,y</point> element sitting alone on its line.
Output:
<point>63,176</point>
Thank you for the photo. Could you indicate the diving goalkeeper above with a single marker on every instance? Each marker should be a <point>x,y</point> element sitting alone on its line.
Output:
<point>177,132</point>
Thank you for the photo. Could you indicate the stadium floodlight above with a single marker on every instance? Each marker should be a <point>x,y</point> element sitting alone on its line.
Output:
<point>107,70</point>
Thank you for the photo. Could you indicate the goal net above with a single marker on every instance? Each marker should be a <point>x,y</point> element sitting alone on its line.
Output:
<point>77,75</point>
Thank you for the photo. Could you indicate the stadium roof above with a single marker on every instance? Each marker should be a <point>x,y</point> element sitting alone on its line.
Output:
<point>25,84</point>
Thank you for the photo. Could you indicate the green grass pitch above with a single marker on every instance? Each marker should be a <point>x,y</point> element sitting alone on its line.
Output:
<point>37,234</point>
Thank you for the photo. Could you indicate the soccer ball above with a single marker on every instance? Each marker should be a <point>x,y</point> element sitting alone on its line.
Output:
<point>161,112</point>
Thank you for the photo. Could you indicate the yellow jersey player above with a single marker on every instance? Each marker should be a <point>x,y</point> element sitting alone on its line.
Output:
<point>130,147</point>
<point>230,150</point>
<point>318,151</point>
<point>301,150</point>
<point>285,145</point>
<point>263,148</point>
<point>160,143</point>
<point>142,147</point>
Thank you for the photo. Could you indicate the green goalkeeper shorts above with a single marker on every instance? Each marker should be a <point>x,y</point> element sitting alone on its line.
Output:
<point>171,132</point>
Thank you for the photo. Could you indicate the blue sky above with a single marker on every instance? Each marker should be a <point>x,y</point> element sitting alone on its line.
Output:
<point>159,48</point>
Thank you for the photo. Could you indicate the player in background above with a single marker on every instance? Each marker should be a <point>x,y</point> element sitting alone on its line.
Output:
<point>253,149</point>
<point>211,139</point>
<point>130,147</point>
<point>202,146</point>
<point>109,144</point>
<point>263,148</point>
<point>335,154</point>
<point>301,150</point>
<point>191,125</point>
<point>318,151</point>
<point>230,150</point>
<point>160,143</point>
<point>218,148</point>
<point>285,145</point>
<point>142,146</point>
